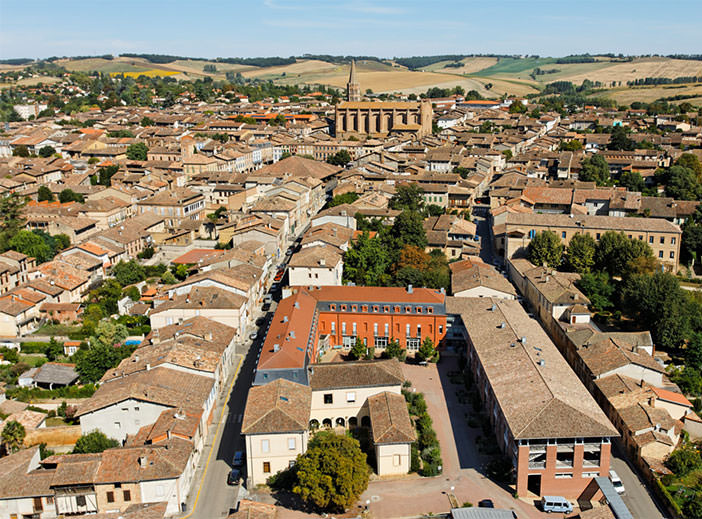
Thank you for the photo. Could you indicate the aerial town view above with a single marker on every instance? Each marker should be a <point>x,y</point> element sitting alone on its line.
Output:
<point>324,259</point>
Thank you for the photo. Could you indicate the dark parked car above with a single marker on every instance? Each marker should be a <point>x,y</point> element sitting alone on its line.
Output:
<point>486,503</point>
<point>234,477</point>
<point>238,460</point>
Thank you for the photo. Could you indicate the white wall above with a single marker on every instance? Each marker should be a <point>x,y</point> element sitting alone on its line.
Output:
<point>484,292</point>
<point>638,373</point>
<point>392,459</point>
<point>162,490</point>
<point>126,414</point>
<point>279,453</point>
<point>341,407</point>
<point>316,276</point>
<point>25,506</point>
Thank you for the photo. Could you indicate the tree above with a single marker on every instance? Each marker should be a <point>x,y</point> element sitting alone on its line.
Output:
<point>20,151</point>
<point>573,145</point>
<point>691,162</point>
<point>13,436</point>
<point>693,351</point>
<point>128,273</point>
<point>44,194</point>
<point>340,158</point>
<point>407,196</point>
<point>427,351</point>
<point>632,180</point>
<point>693,506</point>
<point>580,256</point>
<point>358,350</point>
<point>545,247</point>
<point>394,351</point>
<point>92,363</point>
<point>167,278</point>
<point>408,229</point>
<point>620,140</point>
<point>346,198</point>
<point>595,169</point>
<point>132,293</point>
<point>109,333</point>
<point>180,271</point>
<point>146,121</point>
<point>93,443</point>
<point>147,253</point>
<point>68,195</point>
<point>658,302</point>
<point>598,289</point>
<point>684,460</point>
<point>54,350</point>
<point>137,151</point>
<point>681,183</point>
<point>615,253</point>
<point>31,244</point>
<point>104,175</point>
<point>517,107</point>
<point>46,151</point>
<point>332,474</point>
<point>367,262</point>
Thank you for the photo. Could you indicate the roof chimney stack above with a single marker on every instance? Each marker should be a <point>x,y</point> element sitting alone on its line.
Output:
<point>409,289</point>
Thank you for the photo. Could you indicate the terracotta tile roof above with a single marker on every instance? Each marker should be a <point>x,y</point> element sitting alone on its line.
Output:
<point>19,479</point>
<point>203,297</point>
<point>671,396</point>
<point>556,404</point>
<point>373,373</point>
<point>390,420</point>
<point>279,406</point>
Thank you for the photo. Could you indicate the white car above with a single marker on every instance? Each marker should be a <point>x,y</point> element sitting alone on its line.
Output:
<point>616,482</point>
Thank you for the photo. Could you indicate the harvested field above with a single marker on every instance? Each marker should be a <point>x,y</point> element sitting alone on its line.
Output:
<point>648,94</point>
<point>639,69</point>
<point>470,65</point>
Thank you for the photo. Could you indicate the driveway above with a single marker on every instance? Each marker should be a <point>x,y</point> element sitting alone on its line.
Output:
<point>463,463</point>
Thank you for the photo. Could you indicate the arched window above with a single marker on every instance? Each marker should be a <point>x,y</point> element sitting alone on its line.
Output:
<point>327,422</point>
<point>340,422</point>
<point>353,421</point>
<point>314,424</point>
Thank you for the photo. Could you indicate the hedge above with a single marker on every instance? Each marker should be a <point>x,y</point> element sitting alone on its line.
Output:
<point>27,394</point>
<point>34,347</point>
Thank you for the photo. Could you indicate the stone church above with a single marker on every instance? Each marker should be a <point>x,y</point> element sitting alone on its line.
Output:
<point>380,118</point>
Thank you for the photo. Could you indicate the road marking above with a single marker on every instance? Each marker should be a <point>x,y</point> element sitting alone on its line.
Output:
<point>214,441</point>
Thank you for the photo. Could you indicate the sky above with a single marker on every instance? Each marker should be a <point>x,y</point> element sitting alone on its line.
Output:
<point>383,28</point>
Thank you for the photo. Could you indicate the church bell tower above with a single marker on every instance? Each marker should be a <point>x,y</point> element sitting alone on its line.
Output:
<point>353,89</point>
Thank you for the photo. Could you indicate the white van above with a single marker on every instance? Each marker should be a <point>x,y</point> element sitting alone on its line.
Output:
<point>616,482</point>
<point>556,504</point>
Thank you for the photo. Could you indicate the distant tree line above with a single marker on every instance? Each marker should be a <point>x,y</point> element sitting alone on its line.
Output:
<point>664,81</point>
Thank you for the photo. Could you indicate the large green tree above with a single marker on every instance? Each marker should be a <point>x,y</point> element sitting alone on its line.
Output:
<point>340,158</point>
<point>680,183</point>
<point>620,140</point>
<point>545,247</point>
<point>595,169</point>
<point>408,229</point>
<point>632,181</point>
<point>68,195</point>
<point>367,262</point>
<point>31,244</point>
<point>691,162</point>
<point>598,289</point>
<point>128,273</point>
<point>46,151</point>
<point>137,151</point>
<point>658,302</point>
<point>44,194</point>
<point>615,253</point>
<point>580,256</point>
<point>93,443</point>
<point>332,474</point>
<point>13,435</point>
<point>407,196</point>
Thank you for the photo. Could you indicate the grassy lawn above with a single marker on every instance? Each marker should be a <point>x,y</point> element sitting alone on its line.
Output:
<point>57,329</point>
<point>33,359</point>
<point>56,421</point>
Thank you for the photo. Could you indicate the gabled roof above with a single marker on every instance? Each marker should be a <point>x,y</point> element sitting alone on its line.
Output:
<point>279,406</point>
<point>390,420</point>
<point>339,375</point>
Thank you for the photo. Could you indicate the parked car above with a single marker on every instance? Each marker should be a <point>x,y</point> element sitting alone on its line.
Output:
<point>486,503</point>
<point>616,482</point>
<point>234,477</point>
<point>260,321</point>
<point>253,336</point>
<point>238,460</point>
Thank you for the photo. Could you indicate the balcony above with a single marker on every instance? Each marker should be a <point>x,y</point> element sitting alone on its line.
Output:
<point>537,465</point>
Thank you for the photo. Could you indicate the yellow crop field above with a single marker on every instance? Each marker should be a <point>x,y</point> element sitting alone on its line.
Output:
<point>470,66</point>
<point>154,72</point>
<point>638,69</point>
<point>648,94</point>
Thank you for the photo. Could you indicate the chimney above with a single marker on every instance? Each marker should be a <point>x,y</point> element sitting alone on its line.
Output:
<point>148,367</point>
<point>208,336</point>
<point>502,325</point>
<point>142,461</point>
<point>285,318</point>
<point>542,362</point>
<point>155,336</point>
<point>136,358</point>
<point>409,289</point>
<point>523,339</point>
<point>292,334</point>
<point>297,304</point>
<point>493,307</point>
<point>322,262</point>
<point>276,348</point>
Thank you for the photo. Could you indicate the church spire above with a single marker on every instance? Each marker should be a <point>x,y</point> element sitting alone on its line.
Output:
<point>353,88</point>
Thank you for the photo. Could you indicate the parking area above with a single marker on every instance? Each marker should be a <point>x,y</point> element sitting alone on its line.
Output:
<point>464,464</point>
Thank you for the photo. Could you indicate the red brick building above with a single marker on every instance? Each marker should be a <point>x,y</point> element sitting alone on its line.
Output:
<point>314,320</point>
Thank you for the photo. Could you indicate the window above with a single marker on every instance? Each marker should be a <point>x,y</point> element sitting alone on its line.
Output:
<point>343,308</point>
<point>441,329</point>
<point>117,425</point>
<point>598,236</point>
<point>640,237</point>
<point>375,329</point>
<point>354,308</point>
<point>397,309</point>
<point>564,476</point>
<point>408,309</point>
<point>332,307</point>
<point>650,239</point>
<point>419,331</point>
<point>590,474</point>
<point>127,495</point>
<point>80,500</point>
<point>396,460</point>
<point>672,240</point>
<point>662,240</point>
<point>364,308</point>
<point>291,444</point>
<point>351,396</point>
<point>328,398</point>
<point>265,446</point>
<point>38,507</point>
<point>266,467</point>
<point>660,253</point>
<point>291,463</point>
<point>333,328</point>
<point>419,309</point>
<point>563,234</point>
<point>412,344</point>
<point>430,309</point>
<point>381,343</point>
<point>136,409</point>
<point>387,329</point>
<point>386,309</point>
<point>354,328</point>
<point>376,308</point>
<point>672,255</point>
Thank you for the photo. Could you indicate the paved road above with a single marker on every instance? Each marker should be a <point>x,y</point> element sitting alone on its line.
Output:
<point>636,498</point>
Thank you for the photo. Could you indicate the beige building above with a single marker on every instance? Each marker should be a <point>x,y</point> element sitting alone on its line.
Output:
<point>282,415</point>
<point>378,119</point>
<point>662,236</point>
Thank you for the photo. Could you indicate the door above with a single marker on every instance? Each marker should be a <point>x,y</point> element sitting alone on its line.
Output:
<point>534,484</point>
